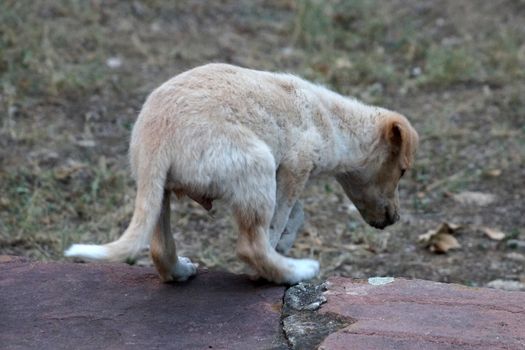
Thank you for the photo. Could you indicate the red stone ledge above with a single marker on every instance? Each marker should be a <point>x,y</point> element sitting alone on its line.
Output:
<point>61,305</point>
<point>416,314</point>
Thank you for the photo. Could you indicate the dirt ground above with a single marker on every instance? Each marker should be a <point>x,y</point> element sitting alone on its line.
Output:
<point>74,74</point>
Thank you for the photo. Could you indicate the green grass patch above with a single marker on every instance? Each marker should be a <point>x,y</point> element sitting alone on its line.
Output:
<point>445,66</point>
<point>87,202</point>
<point>50,48</point>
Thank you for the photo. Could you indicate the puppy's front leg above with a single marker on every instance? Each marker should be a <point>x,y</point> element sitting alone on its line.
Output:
<point>294,224</point>
<point>287,207</point>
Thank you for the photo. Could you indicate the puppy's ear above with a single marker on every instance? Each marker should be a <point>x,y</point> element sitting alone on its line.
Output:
<point>401,138</point>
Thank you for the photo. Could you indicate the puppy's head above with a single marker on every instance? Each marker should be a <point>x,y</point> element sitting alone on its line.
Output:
<point>372,186</point>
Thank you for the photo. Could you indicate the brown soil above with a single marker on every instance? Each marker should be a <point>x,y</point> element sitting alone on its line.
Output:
<point>75,74</point>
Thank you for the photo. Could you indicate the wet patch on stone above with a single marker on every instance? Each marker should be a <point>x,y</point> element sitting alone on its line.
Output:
<point>116,306</point>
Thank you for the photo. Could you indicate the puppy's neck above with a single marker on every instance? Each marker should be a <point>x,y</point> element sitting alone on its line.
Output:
<point>355,127</point>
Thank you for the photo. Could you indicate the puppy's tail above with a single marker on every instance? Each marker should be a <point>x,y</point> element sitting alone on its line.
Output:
<point>151,181</point>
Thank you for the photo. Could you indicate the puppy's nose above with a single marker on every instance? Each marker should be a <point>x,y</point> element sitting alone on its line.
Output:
<point>391,217</point>
<point>380,225</point>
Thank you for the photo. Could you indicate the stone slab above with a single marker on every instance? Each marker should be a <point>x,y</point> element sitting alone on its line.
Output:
<point>415,314</point>
<point>116,306</point>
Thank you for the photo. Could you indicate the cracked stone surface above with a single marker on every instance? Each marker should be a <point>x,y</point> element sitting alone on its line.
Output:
<point>303,327</point>
<point>416,314</point>
<point>304,296</point>
<point>116,306</point>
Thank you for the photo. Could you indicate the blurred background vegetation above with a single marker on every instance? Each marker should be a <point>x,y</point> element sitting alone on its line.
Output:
<point>73,76</point>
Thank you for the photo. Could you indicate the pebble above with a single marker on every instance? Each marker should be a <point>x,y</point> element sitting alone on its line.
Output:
<point>515,256</point>
<point>378,281</point>
<point>508,285</point>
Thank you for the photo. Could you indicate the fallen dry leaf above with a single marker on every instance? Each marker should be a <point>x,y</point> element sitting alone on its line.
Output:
<point>474,198</point>
<point>494,234</point>
<point>441,240</point>
<point>449,227</point>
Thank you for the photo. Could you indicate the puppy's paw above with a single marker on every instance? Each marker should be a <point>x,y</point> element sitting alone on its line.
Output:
<point>301,270</point>
<point>183,269</point>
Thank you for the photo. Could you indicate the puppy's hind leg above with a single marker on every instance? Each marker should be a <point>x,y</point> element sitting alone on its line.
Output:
<point>164,252</point>
<point>254,248</point>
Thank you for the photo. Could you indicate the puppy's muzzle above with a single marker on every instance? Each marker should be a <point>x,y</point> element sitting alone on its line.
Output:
<point>390,218</point>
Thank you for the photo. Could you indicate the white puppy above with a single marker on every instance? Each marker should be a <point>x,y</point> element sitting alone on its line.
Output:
<point>253,139</point>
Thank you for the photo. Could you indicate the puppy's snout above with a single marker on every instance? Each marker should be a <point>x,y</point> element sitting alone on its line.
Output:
<point>379,225</point>
<point>391,216</point>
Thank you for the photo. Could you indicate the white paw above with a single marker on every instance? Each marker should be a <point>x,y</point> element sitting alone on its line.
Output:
<point>183,269</point>
<point>301,270</point>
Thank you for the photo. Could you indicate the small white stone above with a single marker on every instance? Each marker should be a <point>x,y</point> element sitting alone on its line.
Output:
<point>287,51</point>
<point>114,62</point>
<point>379,281</point>
<point>508,285</point>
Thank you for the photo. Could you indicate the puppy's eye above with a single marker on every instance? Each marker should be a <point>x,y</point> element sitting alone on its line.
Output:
<point>403,172</point>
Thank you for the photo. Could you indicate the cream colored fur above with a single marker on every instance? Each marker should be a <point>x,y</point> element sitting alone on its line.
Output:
<point>253,139</point>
